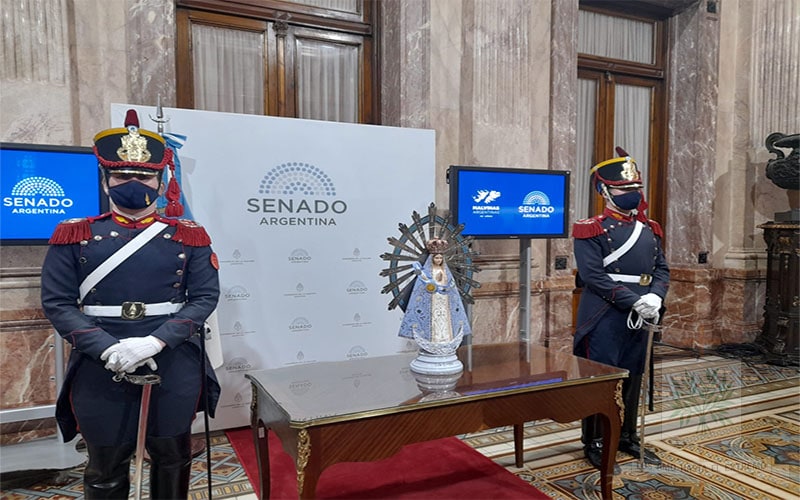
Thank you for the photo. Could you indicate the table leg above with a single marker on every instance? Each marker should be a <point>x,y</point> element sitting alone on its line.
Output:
<point>309,487</point>
<point>610,443</point>
<point>519,448</point>
<point>261,440</point>
<point>612,423</point>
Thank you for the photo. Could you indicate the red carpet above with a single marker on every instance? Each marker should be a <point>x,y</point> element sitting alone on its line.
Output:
<point>441,469</point>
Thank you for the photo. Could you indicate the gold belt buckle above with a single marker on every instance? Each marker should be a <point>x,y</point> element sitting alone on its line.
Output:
<point>645,279</point>
<point>133,310</point>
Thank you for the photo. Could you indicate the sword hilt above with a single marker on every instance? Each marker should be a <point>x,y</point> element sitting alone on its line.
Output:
<point>148,379</point>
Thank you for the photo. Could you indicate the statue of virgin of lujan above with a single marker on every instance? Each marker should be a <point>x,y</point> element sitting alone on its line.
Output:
<point>435,311</point>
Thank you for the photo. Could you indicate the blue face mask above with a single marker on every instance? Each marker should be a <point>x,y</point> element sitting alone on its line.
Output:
<point>133,195</point>
<point>627,201</point>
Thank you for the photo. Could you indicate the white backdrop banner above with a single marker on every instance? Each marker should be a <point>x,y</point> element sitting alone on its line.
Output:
<point>298,212</point>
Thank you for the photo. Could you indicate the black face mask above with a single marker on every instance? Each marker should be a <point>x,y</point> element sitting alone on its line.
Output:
<point>627,201</point>
<point>133,195</point>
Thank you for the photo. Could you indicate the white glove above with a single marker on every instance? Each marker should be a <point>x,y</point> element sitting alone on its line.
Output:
<point>111,357</point>
<point>648,306</point>
<point>150,362</point>
<point>134,351</point>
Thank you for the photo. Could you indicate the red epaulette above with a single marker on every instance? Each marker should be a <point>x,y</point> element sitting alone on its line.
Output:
<point>656,227</point>
<point>587,228</point>
<point>74,230</point>
<point>188,232</point>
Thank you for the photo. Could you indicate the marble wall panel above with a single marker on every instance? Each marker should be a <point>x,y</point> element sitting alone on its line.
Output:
<point>510,67</point>
<point>739,305</point>
<point>563,103</point>
<point>727,108</point>
<point>688,321</point>
<point>43,118</point>
<point>734,203</point>
<point>495,314</point>
<point>24,431</point>
<point>692,133</point>
<point>775,69</point>
<point>35,72</point>
<point>538,327</point>
<point>21,257</point>
<point>150,37</point>
<point>706,307</point>
<point>446,18</point>
<point>27,366</point>
<point>391,68</point>
<point>100,64</point>
<point>415,64</point>
<point>560,307</point>
<point>35,41</point>
<point>21,296</point>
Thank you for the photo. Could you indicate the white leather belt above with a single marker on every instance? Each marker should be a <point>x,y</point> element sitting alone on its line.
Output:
<point>641,279</point>
<point>133,310</point>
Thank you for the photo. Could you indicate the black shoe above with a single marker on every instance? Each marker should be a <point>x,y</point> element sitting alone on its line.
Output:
<point>594,455</point>
<point>632,447</point>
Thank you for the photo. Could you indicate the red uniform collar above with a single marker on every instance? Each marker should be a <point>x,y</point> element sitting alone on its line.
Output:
<point>134,224</point>
<point>617,216</point>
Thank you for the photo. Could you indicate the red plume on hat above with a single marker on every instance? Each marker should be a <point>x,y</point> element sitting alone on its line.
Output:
<point>131,118</point>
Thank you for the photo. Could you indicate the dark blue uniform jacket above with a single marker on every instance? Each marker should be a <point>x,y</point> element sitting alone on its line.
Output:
<point>598,237</point>
<point>177,265</point>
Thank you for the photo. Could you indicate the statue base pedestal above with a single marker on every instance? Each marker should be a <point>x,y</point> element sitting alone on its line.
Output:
<point>437,364</point>
<point>438,383</point>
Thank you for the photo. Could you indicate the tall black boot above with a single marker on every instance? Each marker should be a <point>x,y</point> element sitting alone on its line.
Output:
<point>106,475</point>
<point>590,429</point>
<point>629,439</point>
<point>592,439</point>
<point>170,466</point>
<point>631,390</point>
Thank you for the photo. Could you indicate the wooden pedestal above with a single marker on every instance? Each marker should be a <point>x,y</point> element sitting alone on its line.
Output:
<point>779,337</point>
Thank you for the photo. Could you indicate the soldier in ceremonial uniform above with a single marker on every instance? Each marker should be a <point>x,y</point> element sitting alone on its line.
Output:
<point>130,291</point>
<point>625,277</point>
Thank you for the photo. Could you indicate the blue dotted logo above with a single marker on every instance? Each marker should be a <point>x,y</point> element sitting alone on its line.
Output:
<point>294,178</point>
<point>297,194</point>
<point>37,186</point>
<point>536,204</point>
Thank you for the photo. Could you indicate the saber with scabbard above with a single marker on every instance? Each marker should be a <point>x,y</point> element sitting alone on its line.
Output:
<point>651,329</point>
<point>147,382</point>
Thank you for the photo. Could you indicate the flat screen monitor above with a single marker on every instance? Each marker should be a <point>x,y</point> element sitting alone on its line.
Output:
<point>499,202</point>
<point>42,185</point>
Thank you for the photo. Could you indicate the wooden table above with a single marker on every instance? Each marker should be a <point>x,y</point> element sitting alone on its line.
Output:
<point>367,409</point>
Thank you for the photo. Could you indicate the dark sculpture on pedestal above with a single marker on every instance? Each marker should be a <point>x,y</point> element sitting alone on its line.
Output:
<point>779,336</point>
<point>783,170</point>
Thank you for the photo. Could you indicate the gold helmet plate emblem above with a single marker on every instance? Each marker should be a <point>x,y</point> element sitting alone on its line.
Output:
<point>629,170</point>
<point>134,147</point>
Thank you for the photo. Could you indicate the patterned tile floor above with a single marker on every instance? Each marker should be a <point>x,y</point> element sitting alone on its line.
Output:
<point>726,428</point>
